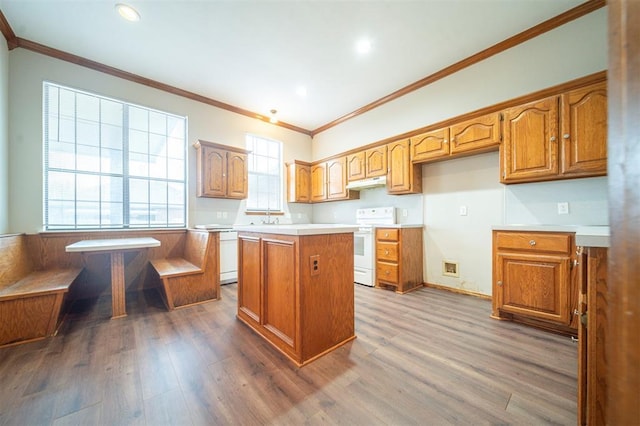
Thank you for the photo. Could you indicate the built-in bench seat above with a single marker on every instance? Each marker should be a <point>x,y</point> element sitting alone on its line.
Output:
<point>192,276</point>
<point>31,300</point>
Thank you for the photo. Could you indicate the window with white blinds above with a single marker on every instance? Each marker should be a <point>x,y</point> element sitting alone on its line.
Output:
<point>265,174</point>
<point>111,164</point>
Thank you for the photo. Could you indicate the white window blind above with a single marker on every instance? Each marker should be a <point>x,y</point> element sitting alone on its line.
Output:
<point>111,164</point>
<point>265,174</point>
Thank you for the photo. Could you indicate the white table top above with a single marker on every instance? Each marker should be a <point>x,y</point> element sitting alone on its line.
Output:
<point>112,244</point>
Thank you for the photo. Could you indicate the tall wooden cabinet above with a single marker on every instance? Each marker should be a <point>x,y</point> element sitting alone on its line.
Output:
<point>556,138</point>
<point>403,176</point>
<point>221,171</point>
<point>534,279</point>
<point>399,258</point>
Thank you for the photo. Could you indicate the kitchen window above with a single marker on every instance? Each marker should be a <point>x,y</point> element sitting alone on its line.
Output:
<point>111,164</point>
<point>265,174</point>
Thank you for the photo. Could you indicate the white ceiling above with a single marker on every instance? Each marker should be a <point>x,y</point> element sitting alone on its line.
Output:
<point>253,54</point>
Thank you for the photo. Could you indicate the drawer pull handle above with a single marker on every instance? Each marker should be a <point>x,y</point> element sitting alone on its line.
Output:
<point>532,242</point>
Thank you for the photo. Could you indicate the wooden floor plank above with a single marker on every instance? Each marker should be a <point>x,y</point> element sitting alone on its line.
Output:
<point>426,357</point>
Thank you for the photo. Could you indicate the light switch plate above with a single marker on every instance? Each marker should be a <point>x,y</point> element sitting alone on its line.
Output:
<point>563,208</point>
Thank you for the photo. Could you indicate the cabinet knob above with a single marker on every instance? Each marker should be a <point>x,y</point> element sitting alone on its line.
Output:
<point>553,139</point>
<point>386,234</point>
<point>499,283</point>
<point>445,141</point>
<point>532,242</point>
<point>566,136</point>
<point>386,272</point>
<point>386,252</point>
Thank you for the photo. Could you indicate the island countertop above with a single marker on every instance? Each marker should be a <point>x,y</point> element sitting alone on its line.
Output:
<point>298,229</point>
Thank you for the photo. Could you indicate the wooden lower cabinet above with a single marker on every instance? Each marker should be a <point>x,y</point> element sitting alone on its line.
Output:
<point>592,366</point>
<point>534,280</point>
<point>297,292</point>
<point>399,258</point>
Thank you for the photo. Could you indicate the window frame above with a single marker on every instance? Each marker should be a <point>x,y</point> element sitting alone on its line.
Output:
<point>171,155</point>
<point>258,209</point>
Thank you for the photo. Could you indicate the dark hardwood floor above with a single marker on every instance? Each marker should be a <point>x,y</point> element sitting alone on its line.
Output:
<point>427,357</point>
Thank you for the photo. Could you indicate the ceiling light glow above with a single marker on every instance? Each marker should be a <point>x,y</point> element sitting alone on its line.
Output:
<point>272,117</point>
<point>128,12</point>
<point>363,46</point>
<point>301,91</point>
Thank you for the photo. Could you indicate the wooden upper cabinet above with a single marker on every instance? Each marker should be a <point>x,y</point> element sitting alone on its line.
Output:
<point>337,178</point>
<point>559,137</point>
<point>367,164</point>
<point>530,149</point>
<point>584,131</point>
<point>221,171</point>
<point>430,145</point>
<point>376,161</point>
<point>403,177</point>
<point>356,167</point>
<point>477,134</point>
<point>299,182</point>
<point>318,182</point>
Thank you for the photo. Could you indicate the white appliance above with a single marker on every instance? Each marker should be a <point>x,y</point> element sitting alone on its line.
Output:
<point>228,257</point>
<point>364,242</point>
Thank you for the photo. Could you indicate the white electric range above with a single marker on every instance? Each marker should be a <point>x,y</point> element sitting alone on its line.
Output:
<point>364,242</point>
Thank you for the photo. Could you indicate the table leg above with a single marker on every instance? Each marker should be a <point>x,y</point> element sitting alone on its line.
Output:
<point>118,306</point>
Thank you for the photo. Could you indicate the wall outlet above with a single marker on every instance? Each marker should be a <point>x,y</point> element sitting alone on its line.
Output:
<point>405,212</point>
<point>563,208</point>
<point>463,210</point>
<point>314,264</point>
<point>218,215</point>
<point>224,215</point>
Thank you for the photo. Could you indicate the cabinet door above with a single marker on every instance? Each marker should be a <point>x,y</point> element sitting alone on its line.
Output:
<point>478,134</point>
<point>530,148</point>
<point>280,314</point>
<point>403,177</point>
<point>584,131</point>
<point>237,175</point>
<point>431,145</point>
<point>303,183</point>
<point>336,179</point>
<point>318,182</point>
<point>213,172</point>
<point>249,279</point>
<point>356,169</point>
<point>376,161</point>
<point>533,285</point>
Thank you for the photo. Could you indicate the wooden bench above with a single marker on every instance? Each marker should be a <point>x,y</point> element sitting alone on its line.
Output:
<point>192,276</point>
<point>31,300</point>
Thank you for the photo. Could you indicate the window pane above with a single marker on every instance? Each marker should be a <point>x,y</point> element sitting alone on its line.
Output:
<point>88,132</point>
<point>139,165</point>
<point>88,158</point>
<point>62,186</point>
<point>111,136</point>
<point>265,174</point>
<point>157,123</point>
<point>139,191</point>
<point>138,118</point>
<point>88,187</point>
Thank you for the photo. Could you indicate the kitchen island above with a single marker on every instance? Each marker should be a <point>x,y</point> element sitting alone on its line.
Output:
<point>295,286</point>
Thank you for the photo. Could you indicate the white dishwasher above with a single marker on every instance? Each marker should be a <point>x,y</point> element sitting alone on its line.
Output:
<point>228,257</point>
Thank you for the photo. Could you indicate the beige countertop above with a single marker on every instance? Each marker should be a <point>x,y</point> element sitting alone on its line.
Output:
<point>586,236</point>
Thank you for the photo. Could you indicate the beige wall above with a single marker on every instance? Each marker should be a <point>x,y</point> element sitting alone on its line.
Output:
<point>574,50</point>
<point>27,71</point>
<point>4,138</point>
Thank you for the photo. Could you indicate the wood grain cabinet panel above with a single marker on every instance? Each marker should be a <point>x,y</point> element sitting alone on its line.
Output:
<point>534,280</point>
<point>403,176</point>
<point>399,258</point>
<point>376,161</point>
<point>430,145</point>
<point>356,166</point>
<point>299,182</point>
<point>221,171</point>
<point>249,272</point>
<point>476,135</point>
<point>584,131</point>
<point>329,181</point>
<point>318,182</point>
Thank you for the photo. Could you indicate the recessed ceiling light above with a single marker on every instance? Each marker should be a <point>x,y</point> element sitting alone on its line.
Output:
<point>363,46</point>
<point>128,12</point>
<point>301,91</point>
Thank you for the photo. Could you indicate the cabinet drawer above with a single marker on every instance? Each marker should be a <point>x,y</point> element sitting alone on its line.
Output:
<point>387,251</point>
<point>387,272</point>
<point>387,234</point>
<point>534,241</point>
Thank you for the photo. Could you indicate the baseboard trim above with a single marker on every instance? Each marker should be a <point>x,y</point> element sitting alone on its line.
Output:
<point>457,290</point>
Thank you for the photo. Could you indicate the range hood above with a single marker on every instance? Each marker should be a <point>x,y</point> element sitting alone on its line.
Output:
<point>367,183</point>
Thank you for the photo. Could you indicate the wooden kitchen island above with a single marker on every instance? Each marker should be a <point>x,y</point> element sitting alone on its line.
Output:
<point>295,287</point>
